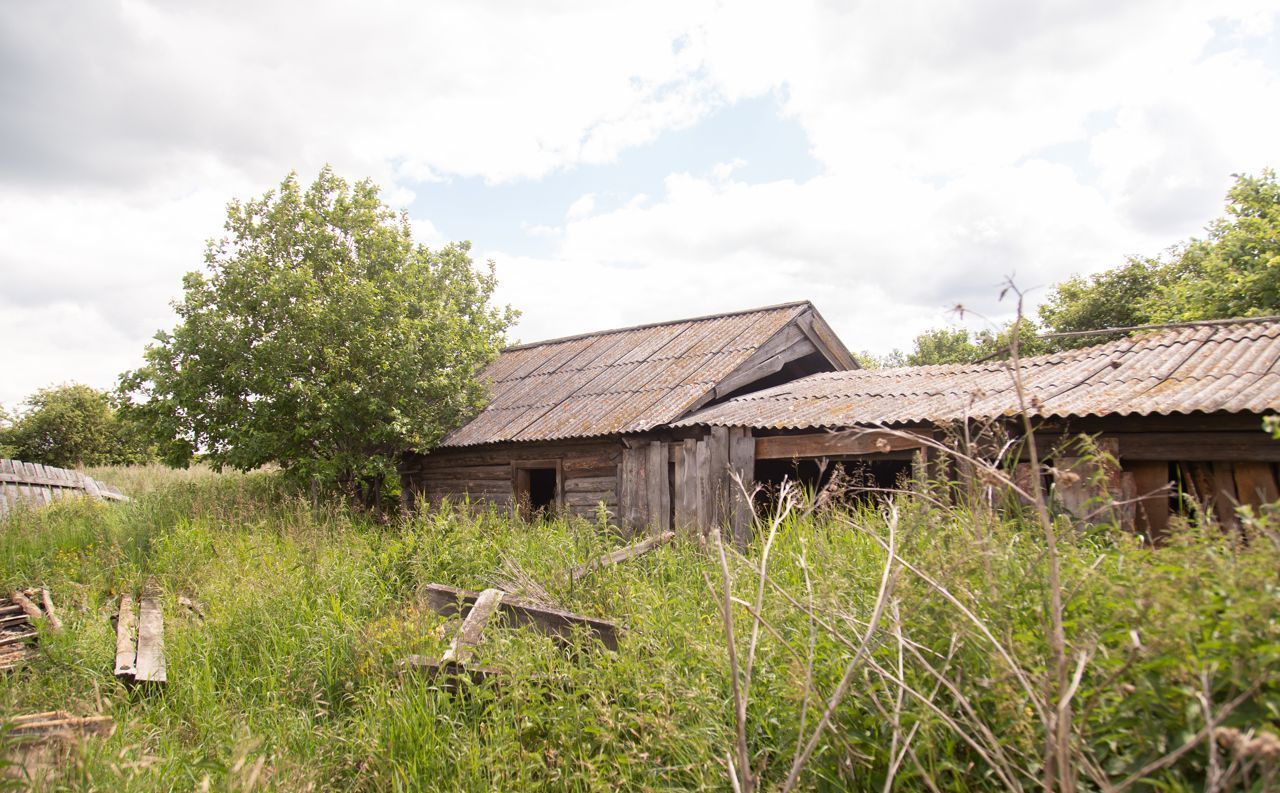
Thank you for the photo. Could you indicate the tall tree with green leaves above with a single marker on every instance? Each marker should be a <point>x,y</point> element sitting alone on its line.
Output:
<point>1235,270</point>
<point>322,338</point>
<point>72,425</point>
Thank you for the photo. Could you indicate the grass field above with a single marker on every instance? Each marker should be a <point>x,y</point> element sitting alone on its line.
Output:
<point>289,682</point>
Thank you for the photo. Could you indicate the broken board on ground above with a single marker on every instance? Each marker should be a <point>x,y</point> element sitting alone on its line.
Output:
<point>478,608</point>
<point>621,555</point>
<point>140,637</point>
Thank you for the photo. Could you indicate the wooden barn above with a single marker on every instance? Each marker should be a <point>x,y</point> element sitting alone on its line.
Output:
<point>1180,409</point>
<point>586,420</point>
<point>656,422</point>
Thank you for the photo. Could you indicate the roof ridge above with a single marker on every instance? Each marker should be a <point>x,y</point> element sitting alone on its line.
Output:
<point>647,325</point>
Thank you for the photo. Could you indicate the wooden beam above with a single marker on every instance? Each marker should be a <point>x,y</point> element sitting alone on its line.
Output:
<point>833,444</point>
<point>742,463</point>
<point>621,555</point>
<point>464,644</point>
<point>448,601</point>
<point>150,667</point>
<point>126,637</point>
<point>1254,446</point>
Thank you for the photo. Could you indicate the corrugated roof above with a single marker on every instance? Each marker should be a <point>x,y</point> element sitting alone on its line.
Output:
<point>616,381</point>
<point>1225,367</point>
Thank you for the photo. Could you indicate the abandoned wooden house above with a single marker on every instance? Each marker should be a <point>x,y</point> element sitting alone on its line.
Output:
<point>656,422</point>
<point>582,421</point>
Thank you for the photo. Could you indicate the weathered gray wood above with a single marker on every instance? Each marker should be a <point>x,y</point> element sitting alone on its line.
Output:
<point>585,484</point>
<point>833,444</point>
<point>632,488</point>
<point>150,665</point>
<point>742,464</point>
<point>657,488</point>
<point>621,555</point>
<point>447,601</point>
<point>787,345</point>
<point>717,476</point>
<point>126,638</point>
<point>464,644</point>
<point>702,485</point>
<point>685,483</point>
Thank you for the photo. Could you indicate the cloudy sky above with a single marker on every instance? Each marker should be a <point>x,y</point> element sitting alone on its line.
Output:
<point>622,163</point>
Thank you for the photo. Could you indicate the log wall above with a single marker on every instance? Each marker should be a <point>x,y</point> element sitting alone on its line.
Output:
<point>485,474</point>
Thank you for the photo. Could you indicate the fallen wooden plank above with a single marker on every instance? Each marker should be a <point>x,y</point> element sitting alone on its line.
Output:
<point>47,600</point>
<point>621,555</point>
<point>464,644</point>
<point>150,664</point>
<point>448,670</point>
<point>448,601</point>
<point>126,638</point>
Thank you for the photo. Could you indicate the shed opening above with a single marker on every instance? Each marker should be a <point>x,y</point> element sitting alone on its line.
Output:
<point>537,489</point>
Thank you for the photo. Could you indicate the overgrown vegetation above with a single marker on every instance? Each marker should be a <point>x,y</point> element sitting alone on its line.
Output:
<point>308,609</point>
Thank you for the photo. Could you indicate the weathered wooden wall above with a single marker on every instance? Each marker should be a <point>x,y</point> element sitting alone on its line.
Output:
<point>650,485</point>
<point>484,473</point>
<point>35,485</point>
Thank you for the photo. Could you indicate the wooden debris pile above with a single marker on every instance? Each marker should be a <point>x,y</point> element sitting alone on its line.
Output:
<point>478,608</point>
<point>140,637</point>
<point>18,617</point>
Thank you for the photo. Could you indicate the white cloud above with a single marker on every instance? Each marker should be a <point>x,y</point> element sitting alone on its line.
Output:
<point>958,143</point>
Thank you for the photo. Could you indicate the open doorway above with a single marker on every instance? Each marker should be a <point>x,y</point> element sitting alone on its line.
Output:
<point>537,485</point>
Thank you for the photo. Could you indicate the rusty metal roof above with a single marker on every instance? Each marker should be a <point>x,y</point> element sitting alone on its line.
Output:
<point>616,381</point>
<point>1229,366</point>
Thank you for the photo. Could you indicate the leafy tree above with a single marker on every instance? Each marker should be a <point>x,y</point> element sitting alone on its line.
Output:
<point>943,345</point>
<point>1116,298</point>
<point>322,338</point>
<point>1235,272</point>
<point>957,345</point>
<point>73,425</point>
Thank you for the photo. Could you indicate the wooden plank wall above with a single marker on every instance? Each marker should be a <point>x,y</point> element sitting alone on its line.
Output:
<point>706,494</point>
<point>1219,470</point>
<point>36,485</point>
<point>644,486</point>
<point>482,474</point>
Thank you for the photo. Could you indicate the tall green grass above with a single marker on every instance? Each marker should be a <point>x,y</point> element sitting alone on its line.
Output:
<point>290,679</point>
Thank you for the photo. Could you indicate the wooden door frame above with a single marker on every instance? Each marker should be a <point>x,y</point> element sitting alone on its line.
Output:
<point>520,479</point>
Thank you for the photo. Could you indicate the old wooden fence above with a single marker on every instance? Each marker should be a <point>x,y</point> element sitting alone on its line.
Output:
<point>35,485</point>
